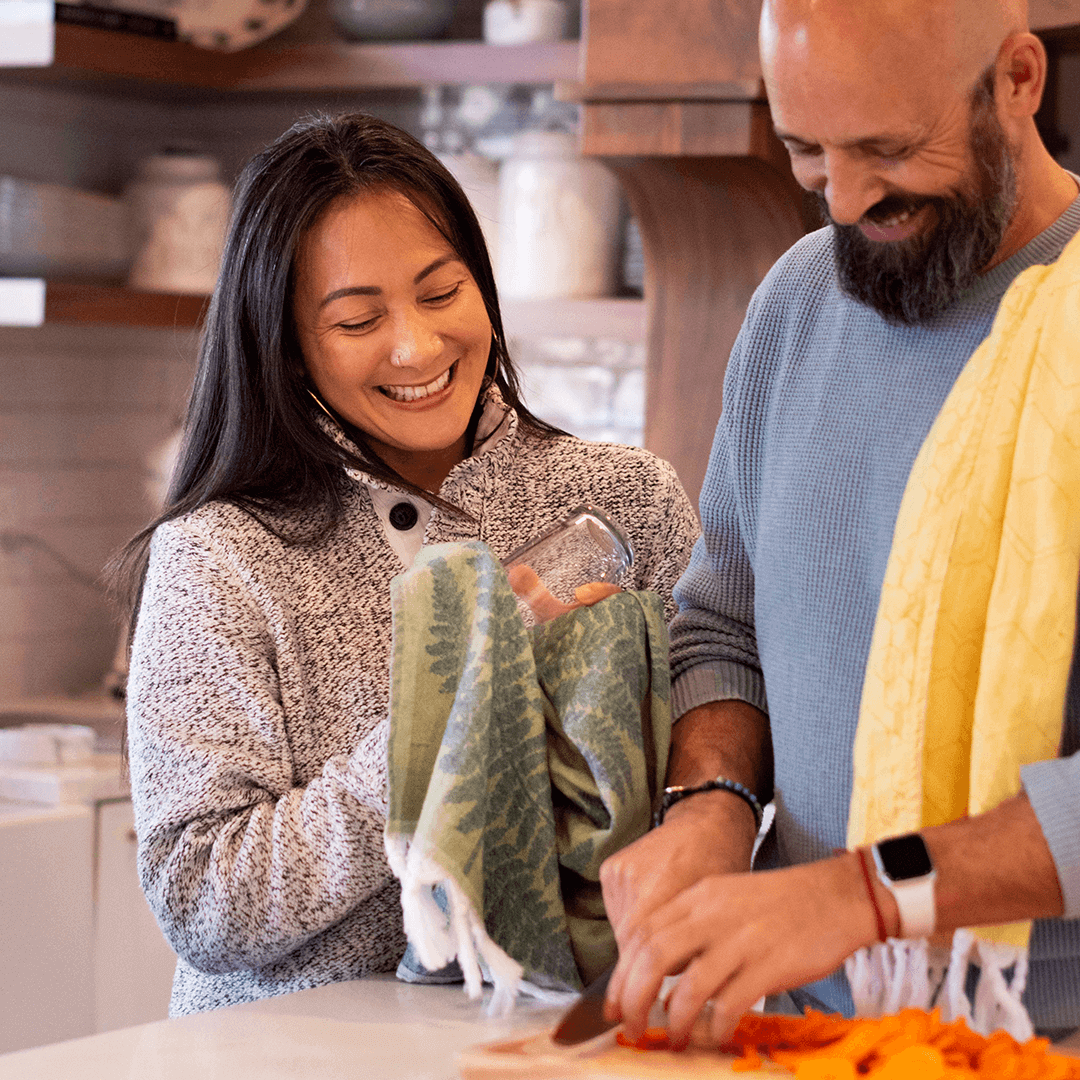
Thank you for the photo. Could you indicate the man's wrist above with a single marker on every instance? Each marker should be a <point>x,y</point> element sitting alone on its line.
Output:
<point>676,793</point>
<point>874,898</point>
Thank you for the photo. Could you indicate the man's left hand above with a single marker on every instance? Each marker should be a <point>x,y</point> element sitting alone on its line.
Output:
<point>737,937</point>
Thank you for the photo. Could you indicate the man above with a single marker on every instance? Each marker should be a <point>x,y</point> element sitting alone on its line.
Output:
<point>913,121</point>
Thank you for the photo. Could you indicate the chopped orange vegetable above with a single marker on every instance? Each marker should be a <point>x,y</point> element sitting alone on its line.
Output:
<point>825,1069</point>
<point>915,1062</point>
<point>654,1038</point>
<point>912,1045</point>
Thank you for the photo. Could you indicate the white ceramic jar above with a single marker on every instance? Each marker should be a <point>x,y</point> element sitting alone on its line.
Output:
<point>513,22</point>
<point>180,214</point>
<point>558,220</point>
<point>479,179</point>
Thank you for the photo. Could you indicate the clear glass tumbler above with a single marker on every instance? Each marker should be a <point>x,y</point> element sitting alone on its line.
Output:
<point>585,546</point>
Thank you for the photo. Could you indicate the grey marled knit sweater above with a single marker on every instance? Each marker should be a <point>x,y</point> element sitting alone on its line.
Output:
<point>257,711</point>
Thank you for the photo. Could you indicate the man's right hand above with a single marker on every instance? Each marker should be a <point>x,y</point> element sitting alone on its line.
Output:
<point>709,833</point>
<point>706,834</point>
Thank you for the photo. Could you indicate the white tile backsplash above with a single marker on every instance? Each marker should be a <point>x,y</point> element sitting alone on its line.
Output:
<point>81,408</point>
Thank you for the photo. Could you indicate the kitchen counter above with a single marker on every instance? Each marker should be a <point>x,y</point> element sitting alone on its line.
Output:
<point>370,1029</point>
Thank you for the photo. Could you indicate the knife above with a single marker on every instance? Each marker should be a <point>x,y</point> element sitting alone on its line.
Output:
<point>584,1019</point>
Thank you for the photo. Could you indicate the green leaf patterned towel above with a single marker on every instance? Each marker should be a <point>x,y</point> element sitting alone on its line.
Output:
<point>518,761</point>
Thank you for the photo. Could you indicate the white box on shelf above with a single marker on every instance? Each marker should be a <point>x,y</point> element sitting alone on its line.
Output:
<point>26,33</point>
<point>22,301</point>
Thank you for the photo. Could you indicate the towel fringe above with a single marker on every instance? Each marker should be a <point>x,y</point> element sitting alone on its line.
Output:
<point>459,933</point>
<point>902,974</point>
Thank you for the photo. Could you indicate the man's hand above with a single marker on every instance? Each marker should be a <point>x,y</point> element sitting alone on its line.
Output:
<point>736,937</point>
<point>710,833</point>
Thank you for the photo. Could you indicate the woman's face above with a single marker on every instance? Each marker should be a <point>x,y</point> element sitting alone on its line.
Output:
<point>393,330</point>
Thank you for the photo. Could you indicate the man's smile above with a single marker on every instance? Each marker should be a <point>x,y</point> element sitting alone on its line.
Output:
<point>891,221</point>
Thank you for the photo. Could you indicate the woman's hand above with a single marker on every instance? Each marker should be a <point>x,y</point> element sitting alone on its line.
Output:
<point>545,606</point>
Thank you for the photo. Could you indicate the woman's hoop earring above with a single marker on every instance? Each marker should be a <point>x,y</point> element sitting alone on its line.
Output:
<point>319,401</point>
<point>491,370</point>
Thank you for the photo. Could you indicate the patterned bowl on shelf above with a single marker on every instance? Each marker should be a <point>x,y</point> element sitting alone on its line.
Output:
<point>224,25</point>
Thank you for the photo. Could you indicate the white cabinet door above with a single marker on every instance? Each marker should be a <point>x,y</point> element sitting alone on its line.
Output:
<point>46,924</point>
<point>133,964</point>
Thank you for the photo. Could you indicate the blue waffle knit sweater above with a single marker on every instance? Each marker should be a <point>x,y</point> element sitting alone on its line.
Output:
<point>825,408</point>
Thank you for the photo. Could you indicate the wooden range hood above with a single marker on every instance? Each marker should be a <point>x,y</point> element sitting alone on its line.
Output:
<point>673,101</point>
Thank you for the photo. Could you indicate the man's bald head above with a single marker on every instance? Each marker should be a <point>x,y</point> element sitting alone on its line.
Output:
<point>948,42</point>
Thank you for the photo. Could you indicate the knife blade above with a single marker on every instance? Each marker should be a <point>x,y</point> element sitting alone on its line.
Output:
<point>584,1019</point>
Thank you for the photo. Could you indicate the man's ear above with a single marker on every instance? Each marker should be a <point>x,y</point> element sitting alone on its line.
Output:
<point>1021,75</point>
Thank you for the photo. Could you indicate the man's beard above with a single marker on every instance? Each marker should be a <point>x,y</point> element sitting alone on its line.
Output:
<point>910,281</point>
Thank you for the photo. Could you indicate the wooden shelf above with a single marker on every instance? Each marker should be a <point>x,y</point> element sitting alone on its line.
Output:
<point>114,305</point>
<point>316,66</point>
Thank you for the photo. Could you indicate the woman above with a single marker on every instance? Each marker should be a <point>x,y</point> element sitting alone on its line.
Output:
<point>354,397</point>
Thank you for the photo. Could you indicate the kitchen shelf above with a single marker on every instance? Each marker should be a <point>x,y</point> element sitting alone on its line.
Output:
<point>328,65</point>
<point>113,305</point>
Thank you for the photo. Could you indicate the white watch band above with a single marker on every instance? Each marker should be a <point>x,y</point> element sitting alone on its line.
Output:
<point>914,899</point>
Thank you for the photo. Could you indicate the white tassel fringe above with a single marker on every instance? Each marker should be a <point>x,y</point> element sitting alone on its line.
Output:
<point>439,938</point>
<point>913,974</point>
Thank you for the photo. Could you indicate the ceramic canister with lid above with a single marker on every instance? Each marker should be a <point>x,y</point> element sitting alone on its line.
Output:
<point>514,22</point>
<point>558,220</point>
<point>180,215</point>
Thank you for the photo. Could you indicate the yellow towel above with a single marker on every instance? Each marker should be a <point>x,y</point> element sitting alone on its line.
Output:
<point>970,654</point>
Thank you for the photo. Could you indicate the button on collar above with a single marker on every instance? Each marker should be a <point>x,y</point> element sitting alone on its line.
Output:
<point>403,516</point>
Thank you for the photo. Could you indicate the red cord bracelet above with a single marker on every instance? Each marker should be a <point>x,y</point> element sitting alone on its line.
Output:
<point>882,934</point>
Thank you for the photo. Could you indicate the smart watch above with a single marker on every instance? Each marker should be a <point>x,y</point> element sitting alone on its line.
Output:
<point>905,868</point>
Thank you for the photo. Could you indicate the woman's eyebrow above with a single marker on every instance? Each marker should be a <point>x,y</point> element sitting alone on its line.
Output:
<point>433,266</point>
<point>374,290</point>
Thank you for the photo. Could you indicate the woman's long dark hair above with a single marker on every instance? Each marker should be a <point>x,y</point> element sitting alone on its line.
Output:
<point>251,435</point>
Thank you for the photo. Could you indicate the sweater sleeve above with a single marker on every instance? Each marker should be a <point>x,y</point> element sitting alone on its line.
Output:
<point>240,863</point>
<point>670,541</point>
<point>714,653</point>
<point>1053,787</point>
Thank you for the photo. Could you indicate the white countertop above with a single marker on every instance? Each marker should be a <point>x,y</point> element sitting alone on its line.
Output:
<point>370,1029</point>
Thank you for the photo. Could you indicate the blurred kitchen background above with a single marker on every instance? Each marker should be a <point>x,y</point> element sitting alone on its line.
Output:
<point>118,146</point>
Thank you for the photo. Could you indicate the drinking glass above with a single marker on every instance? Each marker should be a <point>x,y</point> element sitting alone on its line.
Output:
<point>586,546</point>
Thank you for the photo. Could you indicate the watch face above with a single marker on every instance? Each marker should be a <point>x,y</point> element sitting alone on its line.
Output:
<point>905,857</point>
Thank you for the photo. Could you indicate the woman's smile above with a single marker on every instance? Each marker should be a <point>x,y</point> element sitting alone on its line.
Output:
<point>404,394</point>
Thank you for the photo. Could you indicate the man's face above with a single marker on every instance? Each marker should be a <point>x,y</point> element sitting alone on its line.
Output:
<point>901,142</point>
<point>910,279</point>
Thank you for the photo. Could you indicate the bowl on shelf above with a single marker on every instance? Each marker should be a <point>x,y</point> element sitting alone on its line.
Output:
<point>222,25</point>
<point>49,230</point>
<point>390,20</point>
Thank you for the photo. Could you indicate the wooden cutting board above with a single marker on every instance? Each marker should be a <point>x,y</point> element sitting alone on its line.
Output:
<point>536,1057</point>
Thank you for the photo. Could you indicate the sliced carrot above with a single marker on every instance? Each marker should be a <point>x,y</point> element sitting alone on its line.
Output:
<point>912,1045</point>
<point>916,1062</point>
<point>825,1069</point>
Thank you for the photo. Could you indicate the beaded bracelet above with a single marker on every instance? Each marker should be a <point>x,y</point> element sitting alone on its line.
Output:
<point>672,795</point>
